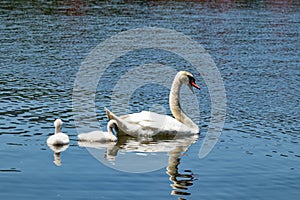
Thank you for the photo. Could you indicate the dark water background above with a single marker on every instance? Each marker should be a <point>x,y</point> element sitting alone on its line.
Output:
<point>255,45</point>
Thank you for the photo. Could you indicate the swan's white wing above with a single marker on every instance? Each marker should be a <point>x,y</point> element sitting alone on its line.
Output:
<point>138,117</point>
<point>163,124</point>
<point>148,123</point>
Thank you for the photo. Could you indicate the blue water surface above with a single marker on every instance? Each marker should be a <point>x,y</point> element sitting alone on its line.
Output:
<point>255,45</point>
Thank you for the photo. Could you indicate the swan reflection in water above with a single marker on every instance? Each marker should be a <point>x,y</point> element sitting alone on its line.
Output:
<point>57,149</point>
<point>138,155</point>
<point>180,181</point>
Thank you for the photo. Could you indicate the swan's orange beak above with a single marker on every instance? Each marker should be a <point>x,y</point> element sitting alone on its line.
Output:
<point>195,85</point>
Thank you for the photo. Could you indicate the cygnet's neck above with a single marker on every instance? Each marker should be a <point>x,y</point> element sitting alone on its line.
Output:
<point>57,129</point>
<point>110,125</point>
<point>174,102</point>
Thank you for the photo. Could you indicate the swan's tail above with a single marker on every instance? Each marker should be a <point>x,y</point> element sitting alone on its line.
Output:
<point>121,124</point>
<point>109,114</point>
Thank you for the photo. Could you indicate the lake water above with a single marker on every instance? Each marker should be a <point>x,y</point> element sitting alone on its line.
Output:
<point>255,45</point>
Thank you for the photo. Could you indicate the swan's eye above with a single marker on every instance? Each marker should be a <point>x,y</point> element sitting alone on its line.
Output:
<point>191,79</point>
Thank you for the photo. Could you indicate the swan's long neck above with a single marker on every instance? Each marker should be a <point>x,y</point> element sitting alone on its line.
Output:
<point>174,101</point>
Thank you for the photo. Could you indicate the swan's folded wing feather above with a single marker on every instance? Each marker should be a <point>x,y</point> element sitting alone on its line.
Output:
<point>138,117</point>
<point>157,122</point>
<point>148,123</point>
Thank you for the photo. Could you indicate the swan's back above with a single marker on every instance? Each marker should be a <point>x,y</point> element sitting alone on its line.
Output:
<point>148,123</point>
<point>58,139</point>
<point>95,136</point>
<point>157,122</point>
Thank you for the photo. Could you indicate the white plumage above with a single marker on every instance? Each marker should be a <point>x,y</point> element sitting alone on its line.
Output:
<point>58,138</point>
<point>149,124</point>
<point>100,136</point>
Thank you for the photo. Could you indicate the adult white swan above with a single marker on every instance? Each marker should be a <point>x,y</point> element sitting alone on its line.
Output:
<point>99,136</point>
<point>149,124</point>
<point>58,138</point>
